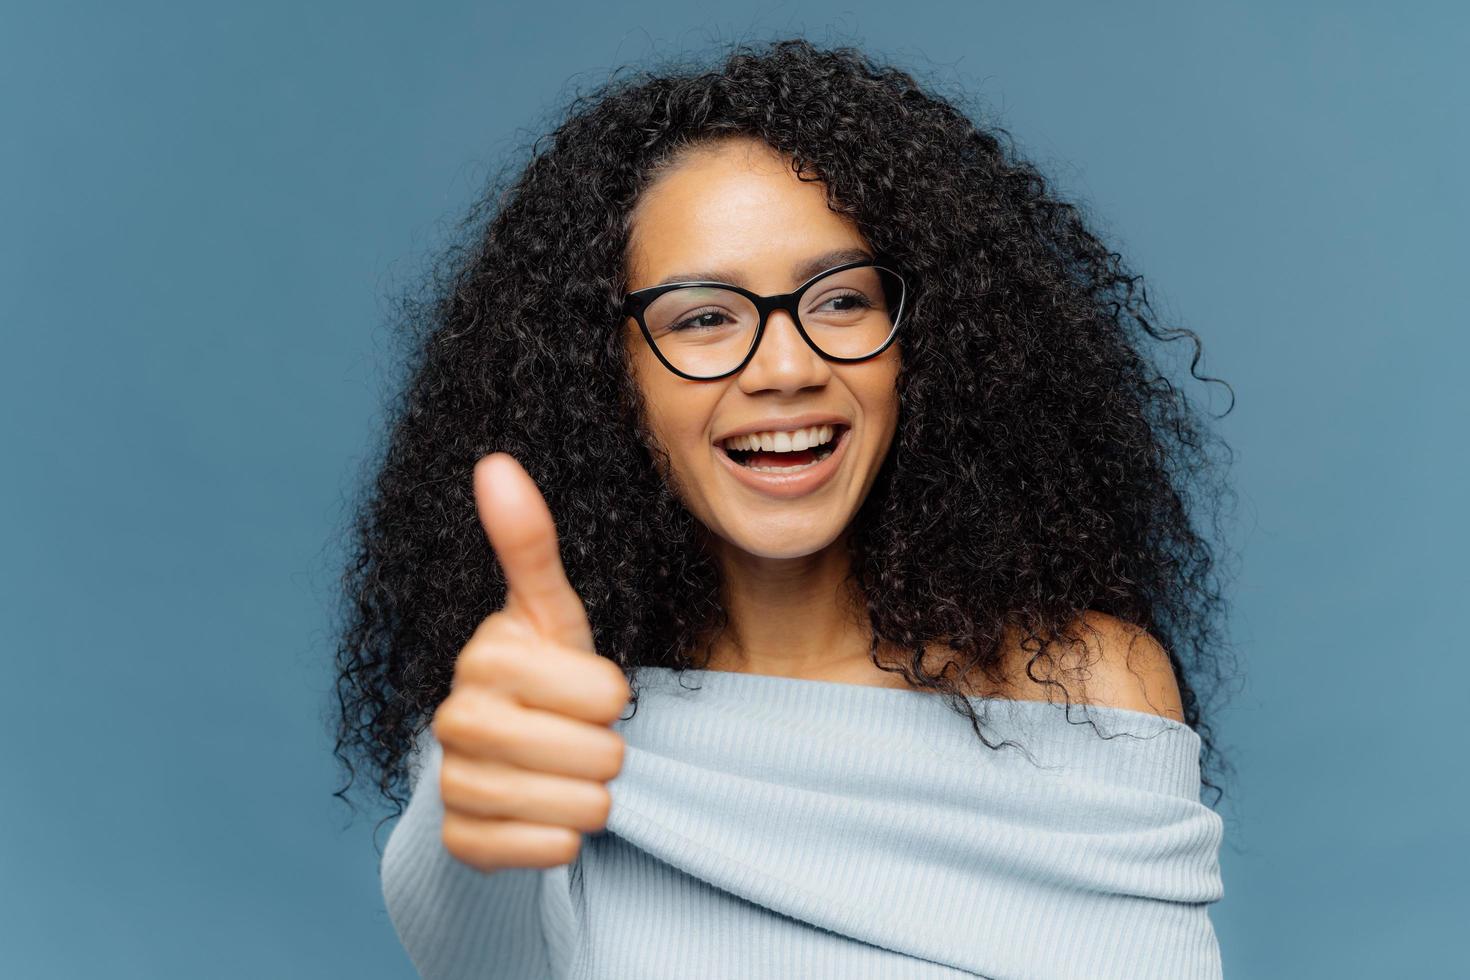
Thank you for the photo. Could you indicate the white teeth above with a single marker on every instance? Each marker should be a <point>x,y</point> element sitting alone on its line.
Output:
<point>782,442</point>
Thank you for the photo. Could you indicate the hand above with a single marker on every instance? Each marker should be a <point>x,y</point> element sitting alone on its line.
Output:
<point>525,728</point>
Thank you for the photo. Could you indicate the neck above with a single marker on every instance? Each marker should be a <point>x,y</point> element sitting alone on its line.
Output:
<point>803,618</point>
<point>792,617</point>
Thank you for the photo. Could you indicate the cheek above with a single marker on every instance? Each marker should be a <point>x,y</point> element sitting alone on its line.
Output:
<point>648,378</point>
<point>676,418</point>
<point>877,389</point>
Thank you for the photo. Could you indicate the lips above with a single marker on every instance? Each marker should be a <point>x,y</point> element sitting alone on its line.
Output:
<point>804,481</point>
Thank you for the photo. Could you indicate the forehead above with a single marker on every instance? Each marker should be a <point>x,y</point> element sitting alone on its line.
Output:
<point>736,205</point>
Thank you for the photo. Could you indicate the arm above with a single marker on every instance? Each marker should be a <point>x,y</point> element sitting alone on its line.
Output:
<point>457,921</point>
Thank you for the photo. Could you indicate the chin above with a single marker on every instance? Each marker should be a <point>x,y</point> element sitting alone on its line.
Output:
<point>783,538</point>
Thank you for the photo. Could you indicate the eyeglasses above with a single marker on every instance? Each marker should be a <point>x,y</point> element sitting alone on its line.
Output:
<point>705,331</point>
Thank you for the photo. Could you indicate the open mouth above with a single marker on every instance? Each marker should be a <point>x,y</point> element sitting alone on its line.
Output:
<point>779,462</point>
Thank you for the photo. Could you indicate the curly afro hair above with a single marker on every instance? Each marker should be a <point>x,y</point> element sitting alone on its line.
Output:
<point>1043,466</point>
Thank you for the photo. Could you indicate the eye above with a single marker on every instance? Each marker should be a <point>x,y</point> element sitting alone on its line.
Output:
<point>856,300</point>
<point>685,322</point>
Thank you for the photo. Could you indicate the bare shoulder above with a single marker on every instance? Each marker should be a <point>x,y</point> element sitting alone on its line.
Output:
<point>1123,666</point>
<point>1110,662</point>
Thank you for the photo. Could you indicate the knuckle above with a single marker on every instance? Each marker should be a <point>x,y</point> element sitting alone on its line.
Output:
<point>439,725</point>
<point>617,678</point>
<point>604,756</point>
<point>482,660</point>
<point>570,847</point>
<point>452,721</point>
<point>450,785</point>
<point>617,750</point>
<point>599,807</point>
<point>462,784</point>
<point>496,726</point>
<point>618,690</point>
<point>453,785</point>
<point>476,722</point>
<point>461,838</point>
<point>496,795</point>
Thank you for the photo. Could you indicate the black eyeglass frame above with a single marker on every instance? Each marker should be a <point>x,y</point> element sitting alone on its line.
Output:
<point>638,301</point>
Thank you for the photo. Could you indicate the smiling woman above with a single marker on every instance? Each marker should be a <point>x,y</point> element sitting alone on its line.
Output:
<point>898,435</point>
<point>736,205</point>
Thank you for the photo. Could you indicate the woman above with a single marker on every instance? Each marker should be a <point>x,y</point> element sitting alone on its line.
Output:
<point>834,409</point>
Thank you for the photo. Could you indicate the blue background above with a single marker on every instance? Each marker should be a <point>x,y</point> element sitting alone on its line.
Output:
<point>208,209</point>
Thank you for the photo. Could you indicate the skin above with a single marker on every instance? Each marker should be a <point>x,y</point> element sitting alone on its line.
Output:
<point>736,205</point>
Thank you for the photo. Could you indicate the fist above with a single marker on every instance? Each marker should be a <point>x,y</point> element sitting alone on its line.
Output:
<point>525,730</point>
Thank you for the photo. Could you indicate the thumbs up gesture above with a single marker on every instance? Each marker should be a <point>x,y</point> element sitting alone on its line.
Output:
<point>525,729</point>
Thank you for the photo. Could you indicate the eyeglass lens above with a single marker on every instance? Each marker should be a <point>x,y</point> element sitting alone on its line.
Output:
<point>707,331</point>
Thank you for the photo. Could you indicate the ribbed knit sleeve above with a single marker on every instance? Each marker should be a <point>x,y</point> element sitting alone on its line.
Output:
<point>767,827</point>
<point>455,921</point>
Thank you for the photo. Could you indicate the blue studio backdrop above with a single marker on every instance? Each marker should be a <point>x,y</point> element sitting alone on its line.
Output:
<point>207,210</point>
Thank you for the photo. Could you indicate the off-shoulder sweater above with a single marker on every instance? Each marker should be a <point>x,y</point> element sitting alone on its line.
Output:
<point>768,827</point>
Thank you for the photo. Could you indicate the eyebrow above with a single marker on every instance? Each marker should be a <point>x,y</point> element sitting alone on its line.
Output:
<point>801,271</point>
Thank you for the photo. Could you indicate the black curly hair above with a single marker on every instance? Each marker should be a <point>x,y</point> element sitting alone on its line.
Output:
<point>1042,466</point>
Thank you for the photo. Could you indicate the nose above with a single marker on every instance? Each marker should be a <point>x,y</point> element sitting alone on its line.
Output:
<point>783,359</point>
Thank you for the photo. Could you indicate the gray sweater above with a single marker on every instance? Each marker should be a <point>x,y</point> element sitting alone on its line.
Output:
<point>766,827</point>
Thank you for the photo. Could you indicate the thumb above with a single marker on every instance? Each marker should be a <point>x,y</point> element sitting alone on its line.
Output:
<point>521,530</point>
